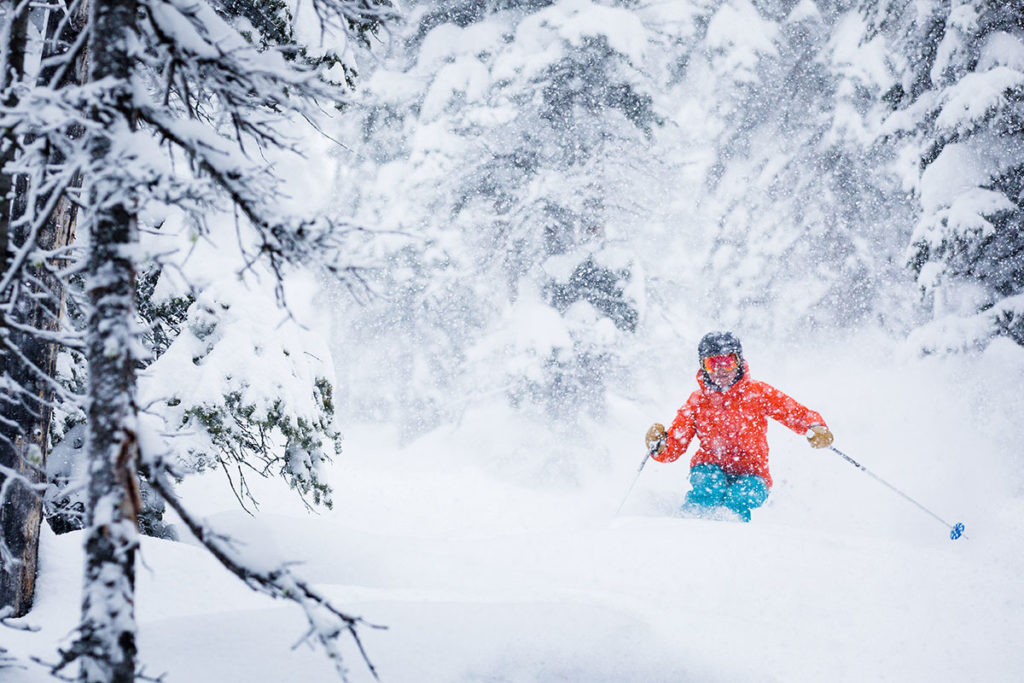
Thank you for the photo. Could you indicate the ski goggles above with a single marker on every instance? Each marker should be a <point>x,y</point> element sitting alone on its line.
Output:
<point>723,363</point>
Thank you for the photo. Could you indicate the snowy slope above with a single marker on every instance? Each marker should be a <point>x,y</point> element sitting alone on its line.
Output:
<point>485,571</point>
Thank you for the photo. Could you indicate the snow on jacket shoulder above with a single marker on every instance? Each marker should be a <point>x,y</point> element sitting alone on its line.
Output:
<point>732,425</point>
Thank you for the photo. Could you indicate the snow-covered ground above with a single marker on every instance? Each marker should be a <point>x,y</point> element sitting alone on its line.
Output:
<point>485,568</point>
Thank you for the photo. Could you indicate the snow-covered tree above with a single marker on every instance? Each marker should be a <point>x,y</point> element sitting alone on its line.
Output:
<point>958,111</point>
<point>798,225</point>
<point>220,413</point>
<point>522,136</point>
<point>184,110</point>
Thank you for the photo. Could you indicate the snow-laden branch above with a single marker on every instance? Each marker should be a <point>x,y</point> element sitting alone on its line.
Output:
<point>194,31</point>
<point>326,623</point>
<point>60,391</point>
<point>253,190</point>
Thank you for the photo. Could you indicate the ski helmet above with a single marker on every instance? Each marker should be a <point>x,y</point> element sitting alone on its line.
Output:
<point>719,344</point>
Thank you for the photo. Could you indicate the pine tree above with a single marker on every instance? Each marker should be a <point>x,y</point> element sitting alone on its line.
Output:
<point>796,222</point>
<point>279,421</point>
<point>958,114</point>
<point>526,178</point>
<point>175,105</point>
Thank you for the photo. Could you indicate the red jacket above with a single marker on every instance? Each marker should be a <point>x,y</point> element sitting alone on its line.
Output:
<point>732,425</point>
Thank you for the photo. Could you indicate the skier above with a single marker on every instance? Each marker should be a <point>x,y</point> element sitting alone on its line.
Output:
<point>728,414</point>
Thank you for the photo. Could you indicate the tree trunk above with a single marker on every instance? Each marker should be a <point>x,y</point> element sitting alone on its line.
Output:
<point>14,22</point>
<point>37,300</point>
<point>19,509</point>
<point>107,632</point>
<point>26,437</point>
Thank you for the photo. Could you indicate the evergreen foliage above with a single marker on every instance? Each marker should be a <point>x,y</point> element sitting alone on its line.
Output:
<point>522,141</point>
<point>795,166</point>
<point>959,112</point>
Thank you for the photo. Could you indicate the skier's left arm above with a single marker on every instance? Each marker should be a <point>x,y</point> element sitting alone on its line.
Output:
<point>796,416</point>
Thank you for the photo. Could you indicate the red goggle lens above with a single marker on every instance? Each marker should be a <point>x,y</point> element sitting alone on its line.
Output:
<point>720,363</point>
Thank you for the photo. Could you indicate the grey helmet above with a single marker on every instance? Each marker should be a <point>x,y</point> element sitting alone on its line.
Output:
<point>719,344</point>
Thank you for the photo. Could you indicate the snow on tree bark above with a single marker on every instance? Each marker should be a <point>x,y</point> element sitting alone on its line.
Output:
<point>106,646</point>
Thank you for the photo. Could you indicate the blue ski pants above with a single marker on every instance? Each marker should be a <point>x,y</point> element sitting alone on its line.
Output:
<point>711,487</point>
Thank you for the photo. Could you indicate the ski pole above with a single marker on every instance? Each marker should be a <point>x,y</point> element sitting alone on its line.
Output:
<point>955,530</point>
<point>639,470</point>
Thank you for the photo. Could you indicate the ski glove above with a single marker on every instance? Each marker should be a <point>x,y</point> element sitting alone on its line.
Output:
<point>655,438</point>
<point>819,436</point>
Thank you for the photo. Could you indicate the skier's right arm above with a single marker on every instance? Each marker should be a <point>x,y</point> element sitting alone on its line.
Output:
<point>679,435</point>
